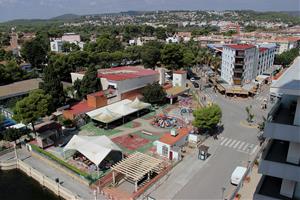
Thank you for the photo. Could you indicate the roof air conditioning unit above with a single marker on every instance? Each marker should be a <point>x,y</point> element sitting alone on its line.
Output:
<point>174,132</point>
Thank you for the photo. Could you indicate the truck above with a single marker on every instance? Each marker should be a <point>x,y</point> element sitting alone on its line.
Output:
<point>237,175</point>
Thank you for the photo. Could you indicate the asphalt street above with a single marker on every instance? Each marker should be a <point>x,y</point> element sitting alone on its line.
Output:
<point>235,146</point>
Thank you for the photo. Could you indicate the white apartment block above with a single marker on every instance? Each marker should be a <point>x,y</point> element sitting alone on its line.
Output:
<point>242,63</point>
<point>266,56</point>
<point>280,160</point>
<point>56,44</point>
<point>238,63</point>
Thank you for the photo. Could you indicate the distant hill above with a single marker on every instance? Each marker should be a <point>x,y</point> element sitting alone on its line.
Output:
<point>292,13</point>
<point>66,17</point>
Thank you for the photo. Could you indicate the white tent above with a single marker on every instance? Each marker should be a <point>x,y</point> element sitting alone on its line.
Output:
<point>137,104</point>
<point>125,110</point>
<point>107,116</point>
<point>95,148</point>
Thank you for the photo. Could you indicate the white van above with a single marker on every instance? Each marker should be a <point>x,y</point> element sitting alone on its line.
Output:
<point>237,175</point>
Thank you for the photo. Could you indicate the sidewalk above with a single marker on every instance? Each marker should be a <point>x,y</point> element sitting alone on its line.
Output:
<point>248,189</point>
<point>180,175</point>
<point>67,181</point>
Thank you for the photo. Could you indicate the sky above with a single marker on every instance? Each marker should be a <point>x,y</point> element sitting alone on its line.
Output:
<point>43,9</point>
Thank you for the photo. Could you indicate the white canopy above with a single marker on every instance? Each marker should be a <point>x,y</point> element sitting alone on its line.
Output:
<point>107,116</point>
<point>137,104</point>
<point>117,110</point>
<point>95,148</point>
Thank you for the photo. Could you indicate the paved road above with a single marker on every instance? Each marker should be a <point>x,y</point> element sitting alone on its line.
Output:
<point>235,146</point>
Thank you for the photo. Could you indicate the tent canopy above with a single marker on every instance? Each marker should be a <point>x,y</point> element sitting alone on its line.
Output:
<point>95,148</point>
<point>137,104</point>
<point>117,110</point>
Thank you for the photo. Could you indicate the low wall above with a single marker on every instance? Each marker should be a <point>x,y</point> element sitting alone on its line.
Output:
<point>61,168</point>
<point>8,165</point>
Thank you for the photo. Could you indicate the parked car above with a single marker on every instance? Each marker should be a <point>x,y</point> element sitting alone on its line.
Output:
<point>196,85</point>
<point>192,79</point>
<point>237,175</point>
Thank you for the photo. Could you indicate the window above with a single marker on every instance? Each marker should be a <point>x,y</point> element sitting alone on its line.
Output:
<point>165,150</point>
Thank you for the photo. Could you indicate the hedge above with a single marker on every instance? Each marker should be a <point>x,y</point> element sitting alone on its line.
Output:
<point>61,162</point>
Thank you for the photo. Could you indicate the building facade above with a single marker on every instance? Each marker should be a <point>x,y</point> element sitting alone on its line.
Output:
<point>238,63</point>
<point>266,56</point>
<point>280,161</point>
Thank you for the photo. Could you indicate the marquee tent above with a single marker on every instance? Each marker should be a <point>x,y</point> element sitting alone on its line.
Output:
<point>95,148</point>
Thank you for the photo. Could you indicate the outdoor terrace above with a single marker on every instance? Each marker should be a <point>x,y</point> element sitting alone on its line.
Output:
<point>280,124</point>
<point>274,161</point>
<point>269,189</point>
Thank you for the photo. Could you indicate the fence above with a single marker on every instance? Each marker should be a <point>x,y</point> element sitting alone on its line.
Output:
<point>248,171</point>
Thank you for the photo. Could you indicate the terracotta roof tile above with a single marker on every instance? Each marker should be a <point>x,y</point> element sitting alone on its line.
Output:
<point>171,140</point>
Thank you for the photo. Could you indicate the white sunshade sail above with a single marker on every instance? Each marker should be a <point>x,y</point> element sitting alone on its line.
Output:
<point>95,148</point>
<point>117,110</point>
<point>137,104</point>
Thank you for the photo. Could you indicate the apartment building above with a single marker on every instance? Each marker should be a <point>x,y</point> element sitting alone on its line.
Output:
<point>266,56</point>
<point>238,63</point>
<point>280,162</point>
<point>57,43</point>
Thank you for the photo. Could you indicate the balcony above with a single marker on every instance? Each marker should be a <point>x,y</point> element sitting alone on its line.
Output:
<point>238,70</point>
<point>274,162</point>
<point>240,54</point>
<point>268,188</point>
<point>239,63</point>
<point>280,124</point>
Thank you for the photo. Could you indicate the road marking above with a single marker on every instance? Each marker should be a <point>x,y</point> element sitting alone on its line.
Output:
<point>232,143</point>
<point>228,142</point>
<point>246,146</point>
<point>241,145</point>
<point>236,144</point>
<point>253,150</point>
<point>224,141</point>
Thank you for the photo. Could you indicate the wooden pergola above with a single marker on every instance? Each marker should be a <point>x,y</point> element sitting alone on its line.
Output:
<point>136,166</point>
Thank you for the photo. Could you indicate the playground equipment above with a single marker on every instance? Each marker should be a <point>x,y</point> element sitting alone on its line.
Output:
<point>164,121</point>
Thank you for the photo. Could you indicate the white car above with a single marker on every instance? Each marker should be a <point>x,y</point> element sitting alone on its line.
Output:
<point>237,175</point>
<point>192,79</point>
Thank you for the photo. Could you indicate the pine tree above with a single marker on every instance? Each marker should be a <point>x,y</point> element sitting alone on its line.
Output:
<point>90,82</point>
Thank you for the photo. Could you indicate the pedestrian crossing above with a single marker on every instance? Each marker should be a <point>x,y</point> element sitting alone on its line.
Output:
<point>238,145</point>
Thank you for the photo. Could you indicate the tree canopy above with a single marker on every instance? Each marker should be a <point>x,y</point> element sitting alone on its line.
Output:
<point>52,85</point>
<point>154,93</point>
<point>32,107</point>
<point>172,55</point>
<point>34,52</point>
<point>90,82</point>
<point>207,118</point>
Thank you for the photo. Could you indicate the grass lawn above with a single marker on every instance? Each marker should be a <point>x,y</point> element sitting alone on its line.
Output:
<point>99,131</point>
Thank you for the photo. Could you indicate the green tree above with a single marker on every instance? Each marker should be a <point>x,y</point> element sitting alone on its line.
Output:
<point>250,115</point>
<point>68,47</point>
<point>12,134</point>
<point>154,93</point>
<point>150,56</point>
<point>188,58</point>
<point>34,52</point>
<point>207,118</point>
<point>52,85</point>
<point>133,53</point>
<point>90,82</point>
<point>172,56</point>
<point>31,108</point>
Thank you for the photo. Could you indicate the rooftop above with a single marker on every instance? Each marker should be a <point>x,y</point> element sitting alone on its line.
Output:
<point>289,82</point>
<point>80,108</point>
<point>171,140</point>
<point>179,72</point>
<point>263,49</point>
<point>124,73</point>
<point>240,46</point>
<point>19,88</point>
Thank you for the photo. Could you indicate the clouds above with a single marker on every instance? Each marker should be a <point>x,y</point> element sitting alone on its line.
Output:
<point>12,9</point>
